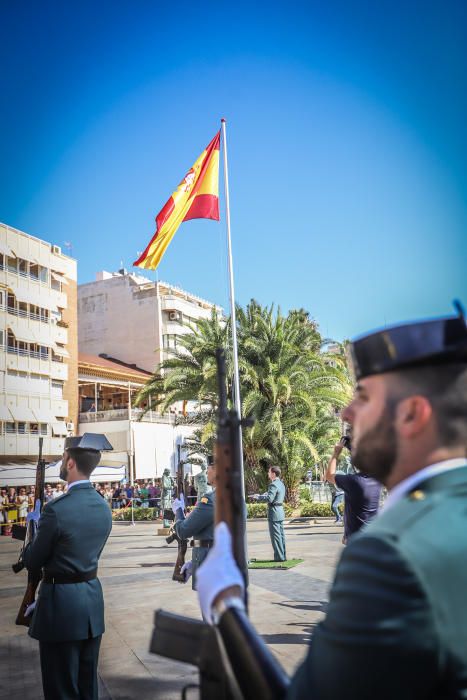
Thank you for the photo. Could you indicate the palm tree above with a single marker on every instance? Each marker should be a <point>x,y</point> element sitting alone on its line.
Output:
<point>288,385</point>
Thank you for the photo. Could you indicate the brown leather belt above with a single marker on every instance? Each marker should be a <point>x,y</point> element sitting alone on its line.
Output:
<point>70,578</point>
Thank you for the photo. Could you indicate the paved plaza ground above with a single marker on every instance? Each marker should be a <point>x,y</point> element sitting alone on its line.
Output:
<point>135,571</point>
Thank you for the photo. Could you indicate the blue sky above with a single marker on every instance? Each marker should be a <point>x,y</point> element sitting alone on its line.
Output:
<point>346,137</point>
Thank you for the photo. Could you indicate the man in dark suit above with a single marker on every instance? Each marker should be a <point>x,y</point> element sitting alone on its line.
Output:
<point>396,624</point>
<point>68,619</point>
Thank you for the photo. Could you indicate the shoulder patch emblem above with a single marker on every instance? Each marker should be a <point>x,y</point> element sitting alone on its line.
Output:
<point>417,495</point>
<point>204,500</point>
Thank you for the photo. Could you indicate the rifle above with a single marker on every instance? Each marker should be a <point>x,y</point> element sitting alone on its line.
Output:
<point>182,544</point>
<point>193,641</point>
<point>230,500</point>
<point>27,534</point>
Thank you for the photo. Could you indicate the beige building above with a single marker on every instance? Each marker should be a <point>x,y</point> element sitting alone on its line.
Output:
<point>128,316</point>
<point>38,347</point>
<point>144,444</point>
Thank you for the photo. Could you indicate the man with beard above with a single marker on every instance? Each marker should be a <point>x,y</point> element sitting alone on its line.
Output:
<point>68,619</point>
<point>362,493</point>
<point>396,623</point>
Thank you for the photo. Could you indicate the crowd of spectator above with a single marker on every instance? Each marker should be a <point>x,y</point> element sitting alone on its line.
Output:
<point>17,501</point>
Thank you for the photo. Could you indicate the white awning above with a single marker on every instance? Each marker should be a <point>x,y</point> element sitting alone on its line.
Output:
<point>103,472</point>
<point>31,296</point>
<point>16,474</point>
<point>22,414</point>
<point>58,278</point>
<point>23,333</point>
<point>5,414</point>
<point>42,334</point>
<point>59,429</point>
<point>62,352</point>
<point>6,250</point>
<point>113,460</point>
<point>44,415</point>
<point>58,264</point>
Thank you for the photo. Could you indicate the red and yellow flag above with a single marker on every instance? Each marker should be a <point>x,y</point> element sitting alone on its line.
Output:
<point>196,197</point>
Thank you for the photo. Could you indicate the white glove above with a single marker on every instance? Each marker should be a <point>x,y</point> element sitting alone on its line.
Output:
<point>187,569</point>
<point>178,503</point>
<point>30,609</point>
<point>35,514</point>
<point>218,571</point>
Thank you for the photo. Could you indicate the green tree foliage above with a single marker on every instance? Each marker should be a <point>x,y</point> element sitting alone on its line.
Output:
<point>292,387</point>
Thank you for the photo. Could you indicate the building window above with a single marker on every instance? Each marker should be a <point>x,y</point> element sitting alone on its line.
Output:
<point>22,267</point>
<point>10,427</point>
<point>169,341</point>
<point>43,427</point>
<point>21,428</point>
<point>43,275</point>
<point>57,389</point>
<point>12,264</point>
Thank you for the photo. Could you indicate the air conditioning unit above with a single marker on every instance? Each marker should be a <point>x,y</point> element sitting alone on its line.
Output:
<point>70,426</point>
<point>56,249</point>
<point>175,316</point>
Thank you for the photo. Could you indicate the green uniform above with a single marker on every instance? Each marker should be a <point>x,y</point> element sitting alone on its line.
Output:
<point>200,526</point>
<point>68,619</point>
<point>396,624</point>
<point>276,515</point>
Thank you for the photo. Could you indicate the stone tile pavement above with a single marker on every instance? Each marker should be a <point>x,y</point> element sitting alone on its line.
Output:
<point>135,571</point>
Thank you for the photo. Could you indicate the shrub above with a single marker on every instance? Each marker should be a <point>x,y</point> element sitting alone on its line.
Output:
<point>139,513</point>
<point>256,510</point>
<point>316,510</point>
<point>304,493</point>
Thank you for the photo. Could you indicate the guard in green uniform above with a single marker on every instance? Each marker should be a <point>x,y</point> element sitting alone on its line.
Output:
<point>276,515</point>
<point>68,619</point>
<point>396,623</point>
<point>199,525</point>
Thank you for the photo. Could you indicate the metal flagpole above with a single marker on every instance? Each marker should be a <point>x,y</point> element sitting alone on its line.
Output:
<point>237,400</point>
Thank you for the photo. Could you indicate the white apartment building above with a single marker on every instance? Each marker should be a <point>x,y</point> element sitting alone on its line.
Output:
<point>38,350</point>
<point>128,316</point>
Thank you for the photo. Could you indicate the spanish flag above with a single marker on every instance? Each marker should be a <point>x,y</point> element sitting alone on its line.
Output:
<point>196,197</point>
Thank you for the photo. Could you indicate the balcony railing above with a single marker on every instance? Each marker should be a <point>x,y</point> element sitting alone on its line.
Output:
<point>122,414</point>
<point>24,314</point>
<point>27,353</point>
<point>27,275</point>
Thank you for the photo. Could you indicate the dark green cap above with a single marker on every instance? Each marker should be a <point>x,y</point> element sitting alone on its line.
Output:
<point>432,342</point>
<point>89,441</point>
